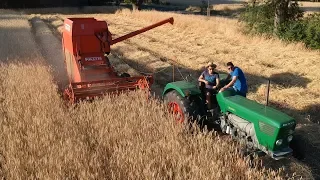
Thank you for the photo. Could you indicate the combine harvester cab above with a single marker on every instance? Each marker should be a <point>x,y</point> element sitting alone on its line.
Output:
<point>86,42</point>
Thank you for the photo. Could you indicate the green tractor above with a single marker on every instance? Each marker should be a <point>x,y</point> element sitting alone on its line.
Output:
<point>262,129</point>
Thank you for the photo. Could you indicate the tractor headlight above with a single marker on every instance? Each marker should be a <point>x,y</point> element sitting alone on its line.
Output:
<point>290,138</point>
<point>279,142</point>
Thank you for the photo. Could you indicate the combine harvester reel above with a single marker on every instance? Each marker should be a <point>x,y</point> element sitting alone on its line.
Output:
<point>86,42</point>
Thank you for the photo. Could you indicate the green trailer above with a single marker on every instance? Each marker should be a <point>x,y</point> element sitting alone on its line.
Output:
<point>260,127</point>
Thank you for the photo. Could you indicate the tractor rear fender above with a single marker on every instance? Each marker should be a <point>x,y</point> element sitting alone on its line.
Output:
<point>184,88</point>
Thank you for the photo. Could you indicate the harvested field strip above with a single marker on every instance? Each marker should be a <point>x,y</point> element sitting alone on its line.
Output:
<point>51,50</point>
<point>17,42</point>
<point>122,137</point>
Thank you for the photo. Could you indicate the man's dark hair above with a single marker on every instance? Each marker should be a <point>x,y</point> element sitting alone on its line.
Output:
<point>230,64</point>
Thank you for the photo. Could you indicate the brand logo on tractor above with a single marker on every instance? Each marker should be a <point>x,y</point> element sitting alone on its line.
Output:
<point>288,124</point>
<point>93,58</point>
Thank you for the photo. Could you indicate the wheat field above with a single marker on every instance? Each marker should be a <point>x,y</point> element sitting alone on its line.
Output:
<point>127,137</point>
<point>194,40</point>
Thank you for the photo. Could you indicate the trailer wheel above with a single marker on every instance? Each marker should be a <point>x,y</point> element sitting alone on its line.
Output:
<point>184,109</point>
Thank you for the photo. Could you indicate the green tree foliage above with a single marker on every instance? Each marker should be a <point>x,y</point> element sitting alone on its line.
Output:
<point>260,19</point>
<point>313,31</point>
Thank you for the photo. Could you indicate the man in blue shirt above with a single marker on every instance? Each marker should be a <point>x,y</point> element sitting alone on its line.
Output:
<point>238,82</point>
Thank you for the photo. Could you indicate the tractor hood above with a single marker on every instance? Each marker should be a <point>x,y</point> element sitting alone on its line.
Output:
<point>270,124</point>
<point>253,111</point>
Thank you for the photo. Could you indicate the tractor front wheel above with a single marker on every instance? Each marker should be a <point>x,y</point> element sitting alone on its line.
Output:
<point>182,108</point>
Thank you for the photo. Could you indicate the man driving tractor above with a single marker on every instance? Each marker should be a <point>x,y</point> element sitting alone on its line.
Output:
<point>211,81</point>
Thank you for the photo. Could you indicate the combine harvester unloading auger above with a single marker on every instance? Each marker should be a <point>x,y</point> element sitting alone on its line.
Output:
<point>86,42</point>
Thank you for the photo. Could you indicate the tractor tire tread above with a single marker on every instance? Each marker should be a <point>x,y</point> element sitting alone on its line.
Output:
<point>188,107</point>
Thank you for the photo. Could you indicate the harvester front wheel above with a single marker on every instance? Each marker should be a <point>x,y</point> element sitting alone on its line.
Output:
<point>184,109</point>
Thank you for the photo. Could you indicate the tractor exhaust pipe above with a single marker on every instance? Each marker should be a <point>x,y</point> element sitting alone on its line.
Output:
<point>267,93</point>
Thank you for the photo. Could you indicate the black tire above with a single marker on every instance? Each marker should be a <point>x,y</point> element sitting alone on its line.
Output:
<point>188,105</point>
<point>298,145</point>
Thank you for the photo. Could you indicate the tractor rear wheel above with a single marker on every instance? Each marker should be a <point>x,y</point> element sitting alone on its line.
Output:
<point>184,109</point>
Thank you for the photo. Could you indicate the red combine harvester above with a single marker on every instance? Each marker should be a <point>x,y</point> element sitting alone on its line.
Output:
<point>86,42</point>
